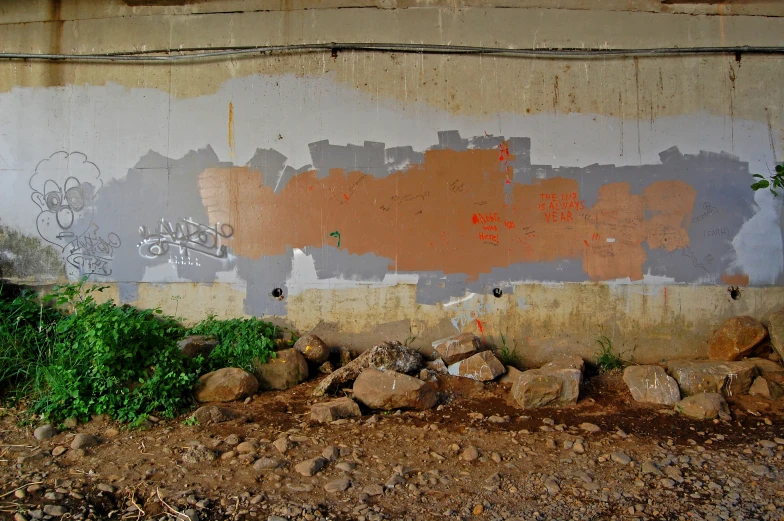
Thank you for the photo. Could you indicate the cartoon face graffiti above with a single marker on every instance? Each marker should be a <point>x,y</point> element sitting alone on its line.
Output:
<point>64,186</point>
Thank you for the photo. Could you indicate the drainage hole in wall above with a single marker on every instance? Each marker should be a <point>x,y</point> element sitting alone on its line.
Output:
<point>497,292</point>
<point>734,292</point>
<point>277,293</point>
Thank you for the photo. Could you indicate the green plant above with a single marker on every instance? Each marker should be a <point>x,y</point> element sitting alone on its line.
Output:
<point>115,360</point>
<point>777,180</point>
<point>411,337</point>
<point>241,341</point>
<point>508,356</point>
<point>190,421</point>
<point>606,357</point>
<point>27,333</point>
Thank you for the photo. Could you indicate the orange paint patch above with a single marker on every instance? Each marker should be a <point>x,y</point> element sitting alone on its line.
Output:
<point>457,197</point>
<point>735,280</point>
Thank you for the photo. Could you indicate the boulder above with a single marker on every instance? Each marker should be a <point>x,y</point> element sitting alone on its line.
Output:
<point>455,348</point>
<point>768,369</point>
<point>482,366</point>
<point>287,369</point>
<point>392,356</point>
<point>766,389</point>
<point>511,375</point>
<point>704,406</point>
<point>392,390</point>
<point>736,337</point>
<point>44,432</point>
<point>83,441</point>
<point>705,376</point>
<point>776,329</point>
<point>437,366</point>
<point>213,414</point>
<point>334,410</point>
<point>650,384</point>
<point>195,345</point>
<point>555,383</point>
<point>225,385</point>
<point>313,349</point>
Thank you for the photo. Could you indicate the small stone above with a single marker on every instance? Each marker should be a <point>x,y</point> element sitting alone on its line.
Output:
<point>311,466</point>
<point>105,487</point>
<point>396,479</point>
<point>479,509</point>
<point>346,466</point>
<point>620,457</point>
<point>83,441</point>
<point>667,483</point>
<point>578,447</point>
<point>70,423</point>
<point>590,427</point>
<point>58,450</point>
<point>247,447</point>
<point>191,515</point>
<point>552,486</point>
<point>44,432</point>
<point>703,406</point>
<point>54,510</point>
<point>334,410</point>
<point>373,490</point>
<point>759,470</point>
<point>228,455</point>
<point>331,453</point>
<point>338,485</point>
<point>268,463</point>
<point>283,445</point>
<point>20,494</point>
<point>111,432</point>
<point>469,454</point>
<point>19,517</point>
<point>495,457</point>
<point>649,467</point>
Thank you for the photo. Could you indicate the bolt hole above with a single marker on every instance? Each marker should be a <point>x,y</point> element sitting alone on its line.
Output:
<point>497,292</point>
<point>277,293</point>
<point>734,292</point>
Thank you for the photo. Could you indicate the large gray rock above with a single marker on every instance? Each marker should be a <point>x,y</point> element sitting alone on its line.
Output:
<point>736,337</point>
<point>287,369</point>
<point>312,348</point>
<point>776,330</point>
<point>213,414</point>
<point>225,385</point>
<point>456,348</point>
<point>766,389</point>
<point>392,356</point>
<point>195,345</point>
<point>555,383</point>
<point>44,432</point>
<point>334,410</point>
<point>482,366</point>
<point>706,376</point>
<point>704,406</point>
<point>392,390</point>
<point>650,384</point>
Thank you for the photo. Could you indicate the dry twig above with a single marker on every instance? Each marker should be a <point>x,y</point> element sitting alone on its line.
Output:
<point>164,503</point>
<point>20,488</point>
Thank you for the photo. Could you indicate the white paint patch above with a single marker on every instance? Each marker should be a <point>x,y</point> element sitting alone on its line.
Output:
<point>610,239</point>
<point>304,276</point>
<point>458,301</point>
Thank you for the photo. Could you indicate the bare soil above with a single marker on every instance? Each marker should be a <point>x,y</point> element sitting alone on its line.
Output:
<point>141,473</point>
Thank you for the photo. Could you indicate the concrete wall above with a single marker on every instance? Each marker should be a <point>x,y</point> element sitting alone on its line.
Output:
<point>394,195</point>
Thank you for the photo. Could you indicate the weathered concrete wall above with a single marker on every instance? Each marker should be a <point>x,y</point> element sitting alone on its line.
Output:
<point>396,195</point>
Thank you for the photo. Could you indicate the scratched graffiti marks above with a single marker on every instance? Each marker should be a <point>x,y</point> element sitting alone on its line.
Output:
<point>188,236</point>
<point>91,254</point>
<point>64,187</point>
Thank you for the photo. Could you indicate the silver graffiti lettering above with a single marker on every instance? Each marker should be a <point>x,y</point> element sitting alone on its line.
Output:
<point>187,235</point>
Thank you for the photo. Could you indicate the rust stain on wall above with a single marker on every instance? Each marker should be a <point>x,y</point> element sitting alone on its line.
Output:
<point>456,212</point>
<point>735,280</point>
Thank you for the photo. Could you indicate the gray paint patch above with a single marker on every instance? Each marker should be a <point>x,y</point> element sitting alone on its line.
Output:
<point>331,262</point>
<point>435,287</point>
<point>154,197</point>
<point>262,276</point>
<point>128,292</point>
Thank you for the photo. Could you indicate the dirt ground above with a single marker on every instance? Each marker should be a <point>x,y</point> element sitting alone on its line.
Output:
<point>528,465</point>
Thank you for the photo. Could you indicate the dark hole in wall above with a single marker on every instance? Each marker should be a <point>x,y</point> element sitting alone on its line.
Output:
<point>277,293</point>
<point>497,292</point>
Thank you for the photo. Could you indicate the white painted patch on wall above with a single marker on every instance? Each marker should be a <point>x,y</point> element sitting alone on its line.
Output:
<point>304,276</point>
